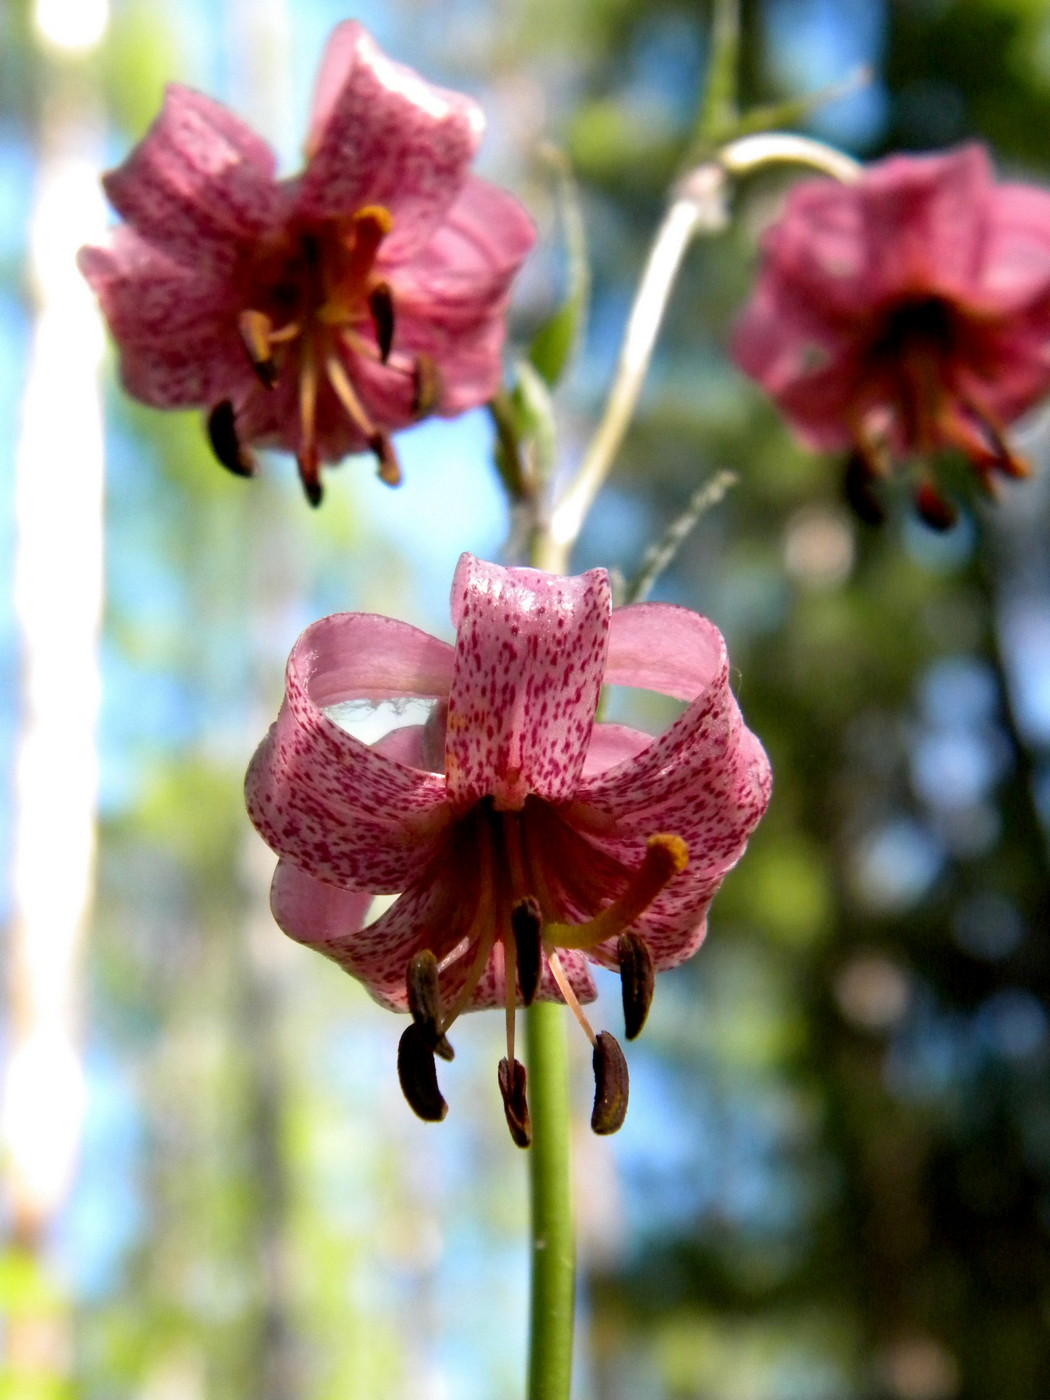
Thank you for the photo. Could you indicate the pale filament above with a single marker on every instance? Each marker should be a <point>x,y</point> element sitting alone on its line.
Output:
<point>570,997</point>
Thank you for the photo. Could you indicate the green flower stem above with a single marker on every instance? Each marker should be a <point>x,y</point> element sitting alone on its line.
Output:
<point>553,1239</point>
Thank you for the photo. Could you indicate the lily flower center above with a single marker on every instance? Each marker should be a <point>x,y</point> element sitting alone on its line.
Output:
<point>311,299</point>
<point>530,877</point>
<point>925,360</point>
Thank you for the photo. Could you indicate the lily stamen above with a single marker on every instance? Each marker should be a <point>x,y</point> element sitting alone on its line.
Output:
<point>256,330</point>
<point>570,998</point>
<point>308,457</point>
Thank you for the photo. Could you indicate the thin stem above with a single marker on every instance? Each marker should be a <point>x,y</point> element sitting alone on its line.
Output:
<point>749,153</point>
<point>698,205</point>
<point>719,111</point>
<point>683,218</point>
<point>553,1242</point>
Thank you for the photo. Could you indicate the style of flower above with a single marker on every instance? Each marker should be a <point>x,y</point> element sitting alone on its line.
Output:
<point>906,313</point>
<point>319,313</point>
<point>525,839</point>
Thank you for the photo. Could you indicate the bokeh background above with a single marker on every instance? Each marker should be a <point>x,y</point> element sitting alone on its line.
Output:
<point>834,1180</point>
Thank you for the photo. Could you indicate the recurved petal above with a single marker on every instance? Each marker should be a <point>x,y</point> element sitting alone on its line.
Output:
<point>706,778</point>
<point>1015,264</point>
<point>660,646</point>
<point>530,654</point>
<point>147,296</point>
<point>612,744</point>
<point>472,257</point>
<point>435,912</point>
<point>187,371</point>
<point>924,220</point>
<point>380,134</point>
<point>308,910</point>
<point>198,181</point>
<point>338,809</point>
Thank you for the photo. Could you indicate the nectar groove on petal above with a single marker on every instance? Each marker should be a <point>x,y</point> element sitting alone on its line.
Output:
<point>517,865</point>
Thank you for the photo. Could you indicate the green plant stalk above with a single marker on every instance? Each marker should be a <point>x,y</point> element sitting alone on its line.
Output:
<point>553,1235</point>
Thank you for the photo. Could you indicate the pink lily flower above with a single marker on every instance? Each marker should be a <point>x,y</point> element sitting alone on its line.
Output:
<point>525,839</point>
<point>319,313</point>
<point>903,314</point>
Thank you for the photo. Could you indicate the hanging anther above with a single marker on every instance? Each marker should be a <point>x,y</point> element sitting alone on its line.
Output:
<point>512,1087</point>
<point>611,1085</point>
<point>937,513</point>
<point>386,459</point>
<point>310,474</point>
<point>222,436</point>
<point>859,489</point>
<point>426,386</point>
<point>637,981</point>
<point>381,305</point>
<point>417,1074</point>
<point>422,984</point>
<point>526,923</point>
<point>256,331</point>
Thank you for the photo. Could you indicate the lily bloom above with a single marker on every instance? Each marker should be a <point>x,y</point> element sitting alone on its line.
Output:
<point>905,313</point>
<point>525,839</point>
<point>323,312</point>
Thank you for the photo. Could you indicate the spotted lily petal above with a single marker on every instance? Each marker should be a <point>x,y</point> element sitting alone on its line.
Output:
<point>381,135</point>
<point>341,811</point>
<point>530,653</point>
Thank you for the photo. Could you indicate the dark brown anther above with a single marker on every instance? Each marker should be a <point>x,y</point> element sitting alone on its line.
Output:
<point>386,457</point>
<point>637,981</point>
<point>426,386</point>
<point>424,1001</point>
<point>310,476</point>
<point>222,435</point>
<point>611,1085</point>
<point>381,305</point>
<point>860,491</point>
<point>934,510</point>
<point>418,1076</point>
<point>512,1087</point>
<point>526,923</point>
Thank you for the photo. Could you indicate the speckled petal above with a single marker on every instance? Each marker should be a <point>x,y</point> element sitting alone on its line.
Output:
<point>530,653</point>
<point>147,296</point>
<point>342,811</point>
<point>381,135</point>
<point>706,778</point>
<point>612,744</point>
<point>490,991</point>
<point>434,913</point>
<point>198,181</point>
<point>662,647</point>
